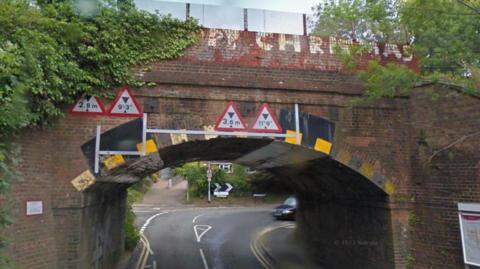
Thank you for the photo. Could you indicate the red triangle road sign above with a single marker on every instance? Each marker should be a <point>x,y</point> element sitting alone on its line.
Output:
<point>125,105</point>
<point>231,120</point>
<point>265,121</point>
<point>88,105</point>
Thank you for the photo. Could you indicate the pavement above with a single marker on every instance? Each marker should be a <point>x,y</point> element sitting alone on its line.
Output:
<point>161,196</point>
<point>183,236</point>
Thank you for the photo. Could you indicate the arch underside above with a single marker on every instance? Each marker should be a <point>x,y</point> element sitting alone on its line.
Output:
<point>291,163</point>
<point>343,216</point>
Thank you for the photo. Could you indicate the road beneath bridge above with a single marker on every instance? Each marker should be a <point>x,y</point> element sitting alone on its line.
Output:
<point>234,237</point>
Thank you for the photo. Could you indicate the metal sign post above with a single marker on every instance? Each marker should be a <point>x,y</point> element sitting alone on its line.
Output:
<point>209,179</point>
<point>146,130</point>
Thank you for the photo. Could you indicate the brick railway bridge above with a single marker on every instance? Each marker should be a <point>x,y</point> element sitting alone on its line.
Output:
<point>378,183</point>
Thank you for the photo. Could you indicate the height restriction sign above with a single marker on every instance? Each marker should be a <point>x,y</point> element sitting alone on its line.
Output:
<point>88,105</point>
<point>265,121</point>
<point>231,120</point>
<point>125,105</point>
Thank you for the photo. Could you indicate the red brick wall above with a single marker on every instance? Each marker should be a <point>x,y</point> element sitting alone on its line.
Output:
<point>230,47</point>
<point>441,179</point>
<point>34,246</point>
<point>376,140</point>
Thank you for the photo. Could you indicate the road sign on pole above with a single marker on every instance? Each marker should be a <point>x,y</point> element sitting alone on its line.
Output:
<point>222,191</point>
<point>125,105</point>
<point>231,120</point>
<point>265,121</point>
<point>209,174</point>
<point>209,178</point>
<point>88,105</point>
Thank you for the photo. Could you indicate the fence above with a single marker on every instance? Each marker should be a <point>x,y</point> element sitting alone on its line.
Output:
<point>231,17</point>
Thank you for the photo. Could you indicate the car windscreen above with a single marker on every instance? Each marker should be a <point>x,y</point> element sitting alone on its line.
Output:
<point>290,201</point>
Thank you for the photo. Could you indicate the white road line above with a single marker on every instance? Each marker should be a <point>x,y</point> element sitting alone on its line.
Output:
<point>205,265</point>
<point>145,225</point>
<point>203,230</point>
<point>195,219</point>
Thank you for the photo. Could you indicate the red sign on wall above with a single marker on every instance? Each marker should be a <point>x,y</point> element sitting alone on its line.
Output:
<point>88,105</point>
<point>125,105</point>
<point>231,120</point>
<point>265,121</point>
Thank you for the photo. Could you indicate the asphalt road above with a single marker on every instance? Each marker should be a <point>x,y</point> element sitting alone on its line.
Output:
<point>219,238</point>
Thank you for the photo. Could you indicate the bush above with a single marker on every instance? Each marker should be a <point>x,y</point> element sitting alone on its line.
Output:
<point>196,174</point>
<point>131,232</point>
<point>134,194</point>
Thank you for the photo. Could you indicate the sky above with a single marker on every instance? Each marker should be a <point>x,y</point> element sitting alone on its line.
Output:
<point>298,6</point>
<point>272,16</point>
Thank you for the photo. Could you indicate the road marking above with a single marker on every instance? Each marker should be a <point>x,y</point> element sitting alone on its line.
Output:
<point>195,219</point>
<point>145,225</point>
<point>203,229</point>
<point>254,248</point>
<point>257,247</point>
<point>205,265</point>
<point>156,208</point>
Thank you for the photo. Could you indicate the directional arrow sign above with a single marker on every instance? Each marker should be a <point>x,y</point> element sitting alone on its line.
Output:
<point>224,191</point>
<point>200,230</point>
<point>265,121</point>
<point>229,187</point>
<point>231,120</point>
<point>125,105</point>
<point>88,105</point>
<point>217,187</point>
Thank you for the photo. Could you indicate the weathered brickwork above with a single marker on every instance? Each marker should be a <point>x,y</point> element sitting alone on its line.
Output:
<point>285,51</point>
<point>386,142</point>
<point>445,171</point>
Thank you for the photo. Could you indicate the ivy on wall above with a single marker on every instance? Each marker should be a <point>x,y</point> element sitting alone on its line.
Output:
<point>53,51</point>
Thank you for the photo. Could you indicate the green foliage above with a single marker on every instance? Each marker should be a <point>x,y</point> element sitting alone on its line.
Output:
<point>360,20</point>
<point>349,58</point>
<point>50,54</point>
<point>409,260</point>
<point>387,80</point>
<point>446,35</point>
<point>131,232</point>
<point>443,34</point>
<point>134,194</point>
<point>9,160</point>
<point>196,173</point>
<point>54,51</point>
<point>240,180</point>
<point>412,219</point>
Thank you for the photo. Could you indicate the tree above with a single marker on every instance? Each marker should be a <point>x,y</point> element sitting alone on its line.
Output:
<point>444,34</point>
<point>361,20</point>
<point>53,51</point>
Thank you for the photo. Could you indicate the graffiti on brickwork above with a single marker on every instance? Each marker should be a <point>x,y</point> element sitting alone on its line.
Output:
<point>244,42</point>
<point>227,37</point>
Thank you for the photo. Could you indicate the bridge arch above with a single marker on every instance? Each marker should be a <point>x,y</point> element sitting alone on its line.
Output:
<point>342,213</point>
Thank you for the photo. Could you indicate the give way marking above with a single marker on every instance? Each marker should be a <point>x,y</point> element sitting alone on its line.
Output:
<point>200,230</point>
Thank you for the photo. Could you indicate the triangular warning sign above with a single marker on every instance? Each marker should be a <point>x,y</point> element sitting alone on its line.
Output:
<point>265,121</point>
<point>231,120</point>
<point>125,105</point>
<point>88,105</point>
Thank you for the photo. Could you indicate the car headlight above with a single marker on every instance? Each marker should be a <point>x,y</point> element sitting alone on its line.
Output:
<point>287,211</point>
